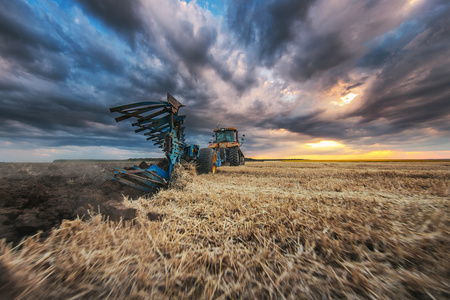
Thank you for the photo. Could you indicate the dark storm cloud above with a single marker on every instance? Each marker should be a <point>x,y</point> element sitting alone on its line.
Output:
<point>96,58</point>
<point>319,54</point>
<point>47,112</point>
<point>267,26</point>
<point>15,33</point>
<point>121,15</point>
<point>30,47</point>
<point>311,124</point>
<point>193,48</point>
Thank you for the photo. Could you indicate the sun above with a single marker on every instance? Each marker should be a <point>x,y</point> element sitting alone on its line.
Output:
<point>325,144</point>
<point>347,99</point>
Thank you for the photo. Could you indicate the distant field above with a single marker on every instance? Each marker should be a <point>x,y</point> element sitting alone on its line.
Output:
<point>294,230</point>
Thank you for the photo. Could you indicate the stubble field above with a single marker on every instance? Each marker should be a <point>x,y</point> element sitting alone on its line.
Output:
<point>294,230</point>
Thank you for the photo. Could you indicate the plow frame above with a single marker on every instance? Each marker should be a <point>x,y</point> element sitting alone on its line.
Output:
<point>160,122</point>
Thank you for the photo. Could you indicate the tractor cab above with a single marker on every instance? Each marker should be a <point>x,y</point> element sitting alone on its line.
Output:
<point>225,135</point>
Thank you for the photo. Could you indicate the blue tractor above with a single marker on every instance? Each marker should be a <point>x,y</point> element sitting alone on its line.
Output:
<point>160,122</point>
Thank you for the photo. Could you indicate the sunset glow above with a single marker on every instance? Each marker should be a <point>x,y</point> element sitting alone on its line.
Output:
<point>349,98</point>
<point>345,100</point>
<point>374,155</point>
<point>325,144</point>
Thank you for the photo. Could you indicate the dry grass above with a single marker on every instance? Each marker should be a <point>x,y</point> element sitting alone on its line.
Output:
<point>265,230</point>
<point>182,175</point>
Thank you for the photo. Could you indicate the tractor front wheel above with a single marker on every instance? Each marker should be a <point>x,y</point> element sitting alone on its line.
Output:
<point>206,162</point>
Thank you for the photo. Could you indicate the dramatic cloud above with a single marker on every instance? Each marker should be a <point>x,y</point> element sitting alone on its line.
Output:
<point>268,26</point>
<point>120,15</point>
<point>368,76</point>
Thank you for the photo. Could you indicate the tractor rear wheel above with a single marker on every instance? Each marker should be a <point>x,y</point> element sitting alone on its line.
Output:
<point>242,160</point>
<point>206,162</point>
<point>234,156</point>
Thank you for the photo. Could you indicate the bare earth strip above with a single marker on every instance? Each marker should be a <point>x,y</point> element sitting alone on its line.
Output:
<point>294,230</point>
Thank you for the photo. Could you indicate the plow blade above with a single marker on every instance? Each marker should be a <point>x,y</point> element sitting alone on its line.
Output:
<point>147,114</point>
<point>146,180</point>
<point>154,118</point>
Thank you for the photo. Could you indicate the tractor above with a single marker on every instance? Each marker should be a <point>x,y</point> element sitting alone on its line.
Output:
<point>227,144</point>
<point>160,122</point>
<point>222,151</point>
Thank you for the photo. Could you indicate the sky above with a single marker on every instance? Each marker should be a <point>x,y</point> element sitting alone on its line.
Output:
<point>311,79</point>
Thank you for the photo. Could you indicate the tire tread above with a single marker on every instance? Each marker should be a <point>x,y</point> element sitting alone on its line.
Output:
<point>205,161</point>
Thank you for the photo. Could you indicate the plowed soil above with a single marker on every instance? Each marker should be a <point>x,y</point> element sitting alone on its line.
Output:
<point>38,196</point>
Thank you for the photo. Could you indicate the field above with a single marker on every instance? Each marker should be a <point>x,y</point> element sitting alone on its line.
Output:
<point>281,230</point>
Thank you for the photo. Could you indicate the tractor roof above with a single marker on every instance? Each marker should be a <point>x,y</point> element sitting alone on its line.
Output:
<point>225,129</point>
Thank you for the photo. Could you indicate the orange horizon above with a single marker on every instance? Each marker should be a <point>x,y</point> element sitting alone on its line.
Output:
<point>374,155</point>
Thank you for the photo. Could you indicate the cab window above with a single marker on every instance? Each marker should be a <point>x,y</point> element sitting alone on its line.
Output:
<point>224,136</point>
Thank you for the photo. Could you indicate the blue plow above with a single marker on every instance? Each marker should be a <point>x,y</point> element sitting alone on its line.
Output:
<point>160,122</point>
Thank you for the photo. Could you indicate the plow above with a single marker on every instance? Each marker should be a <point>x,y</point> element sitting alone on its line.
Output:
<point>160,122</point>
